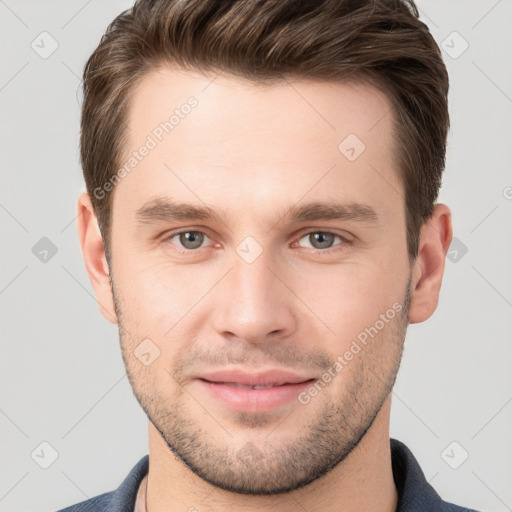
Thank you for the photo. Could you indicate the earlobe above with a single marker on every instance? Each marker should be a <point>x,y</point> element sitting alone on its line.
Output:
<point>95,260</point>
<point>435,238</point>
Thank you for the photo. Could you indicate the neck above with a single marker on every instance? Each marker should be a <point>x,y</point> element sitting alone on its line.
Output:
<point>362,482</point>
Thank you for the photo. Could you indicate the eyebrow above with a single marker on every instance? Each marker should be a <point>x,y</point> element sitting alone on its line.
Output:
<point>164,209</point>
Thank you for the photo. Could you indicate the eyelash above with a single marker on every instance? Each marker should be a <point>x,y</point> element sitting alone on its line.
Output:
<point>343,244</point>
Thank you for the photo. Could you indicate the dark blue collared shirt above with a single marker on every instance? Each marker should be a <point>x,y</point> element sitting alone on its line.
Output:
<point>415,494</point>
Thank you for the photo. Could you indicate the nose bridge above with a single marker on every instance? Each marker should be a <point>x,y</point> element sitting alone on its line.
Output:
<point>253,301</point>
<point>252,278</point>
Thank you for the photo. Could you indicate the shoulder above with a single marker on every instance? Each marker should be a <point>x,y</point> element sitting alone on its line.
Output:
<point>96,504</point>
<point>415,494</point>
<point>120,500</point>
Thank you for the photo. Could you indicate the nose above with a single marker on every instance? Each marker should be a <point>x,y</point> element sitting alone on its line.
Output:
<point>254,303</point>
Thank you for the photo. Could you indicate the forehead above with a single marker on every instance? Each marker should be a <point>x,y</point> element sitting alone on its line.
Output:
<point>333,107</point>
<point>221,137</point>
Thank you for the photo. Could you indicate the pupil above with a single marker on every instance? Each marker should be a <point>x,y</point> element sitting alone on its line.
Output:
<point>323,238</point>
<point>191,237</point>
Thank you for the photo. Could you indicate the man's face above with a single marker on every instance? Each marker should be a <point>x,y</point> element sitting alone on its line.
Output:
<point>252,288</point>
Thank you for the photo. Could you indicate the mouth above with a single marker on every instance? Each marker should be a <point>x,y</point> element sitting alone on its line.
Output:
<point>254,393</point>
<point>256,386</point>
<point>264,379</point>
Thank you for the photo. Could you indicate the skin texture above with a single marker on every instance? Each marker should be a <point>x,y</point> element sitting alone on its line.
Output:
<point>248,152</point>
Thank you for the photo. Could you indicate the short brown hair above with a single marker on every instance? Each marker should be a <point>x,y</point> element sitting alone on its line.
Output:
<point>382,42</point>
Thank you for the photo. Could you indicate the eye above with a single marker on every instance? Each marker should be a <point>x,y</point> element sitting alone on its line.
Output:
<point>189,240</point>
<point>192,240</point>
<point>321,240</point>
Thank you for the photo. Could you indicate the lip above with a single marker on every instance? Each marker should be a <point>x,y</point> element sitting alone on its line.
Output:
<point>222,386</point>
<point>262,378</point>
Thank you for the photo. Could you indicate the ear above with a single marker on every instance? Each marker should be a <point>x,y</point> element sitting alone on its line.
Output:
<point>94,256</point>
<point>435,238</point>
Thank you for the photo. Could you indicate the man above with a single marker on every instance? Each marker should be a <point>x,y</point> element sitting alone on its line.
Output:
<point>260,222</point>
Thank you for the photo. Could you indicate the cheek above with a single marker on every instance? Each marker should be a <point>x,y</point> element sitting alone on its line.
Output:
<point>348,298</point>
<point>339,300</point>
<point>158,295</point>
<point>161,304</point>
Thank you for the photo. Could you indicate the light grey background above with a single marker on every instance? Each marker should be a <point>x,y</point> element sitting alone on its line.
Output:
<point>63,380</point>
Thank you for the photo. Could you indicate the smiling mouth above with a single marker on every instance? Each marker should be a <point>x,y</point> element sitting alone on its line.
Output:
<point>254,398</point>
<point>257,386</point>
